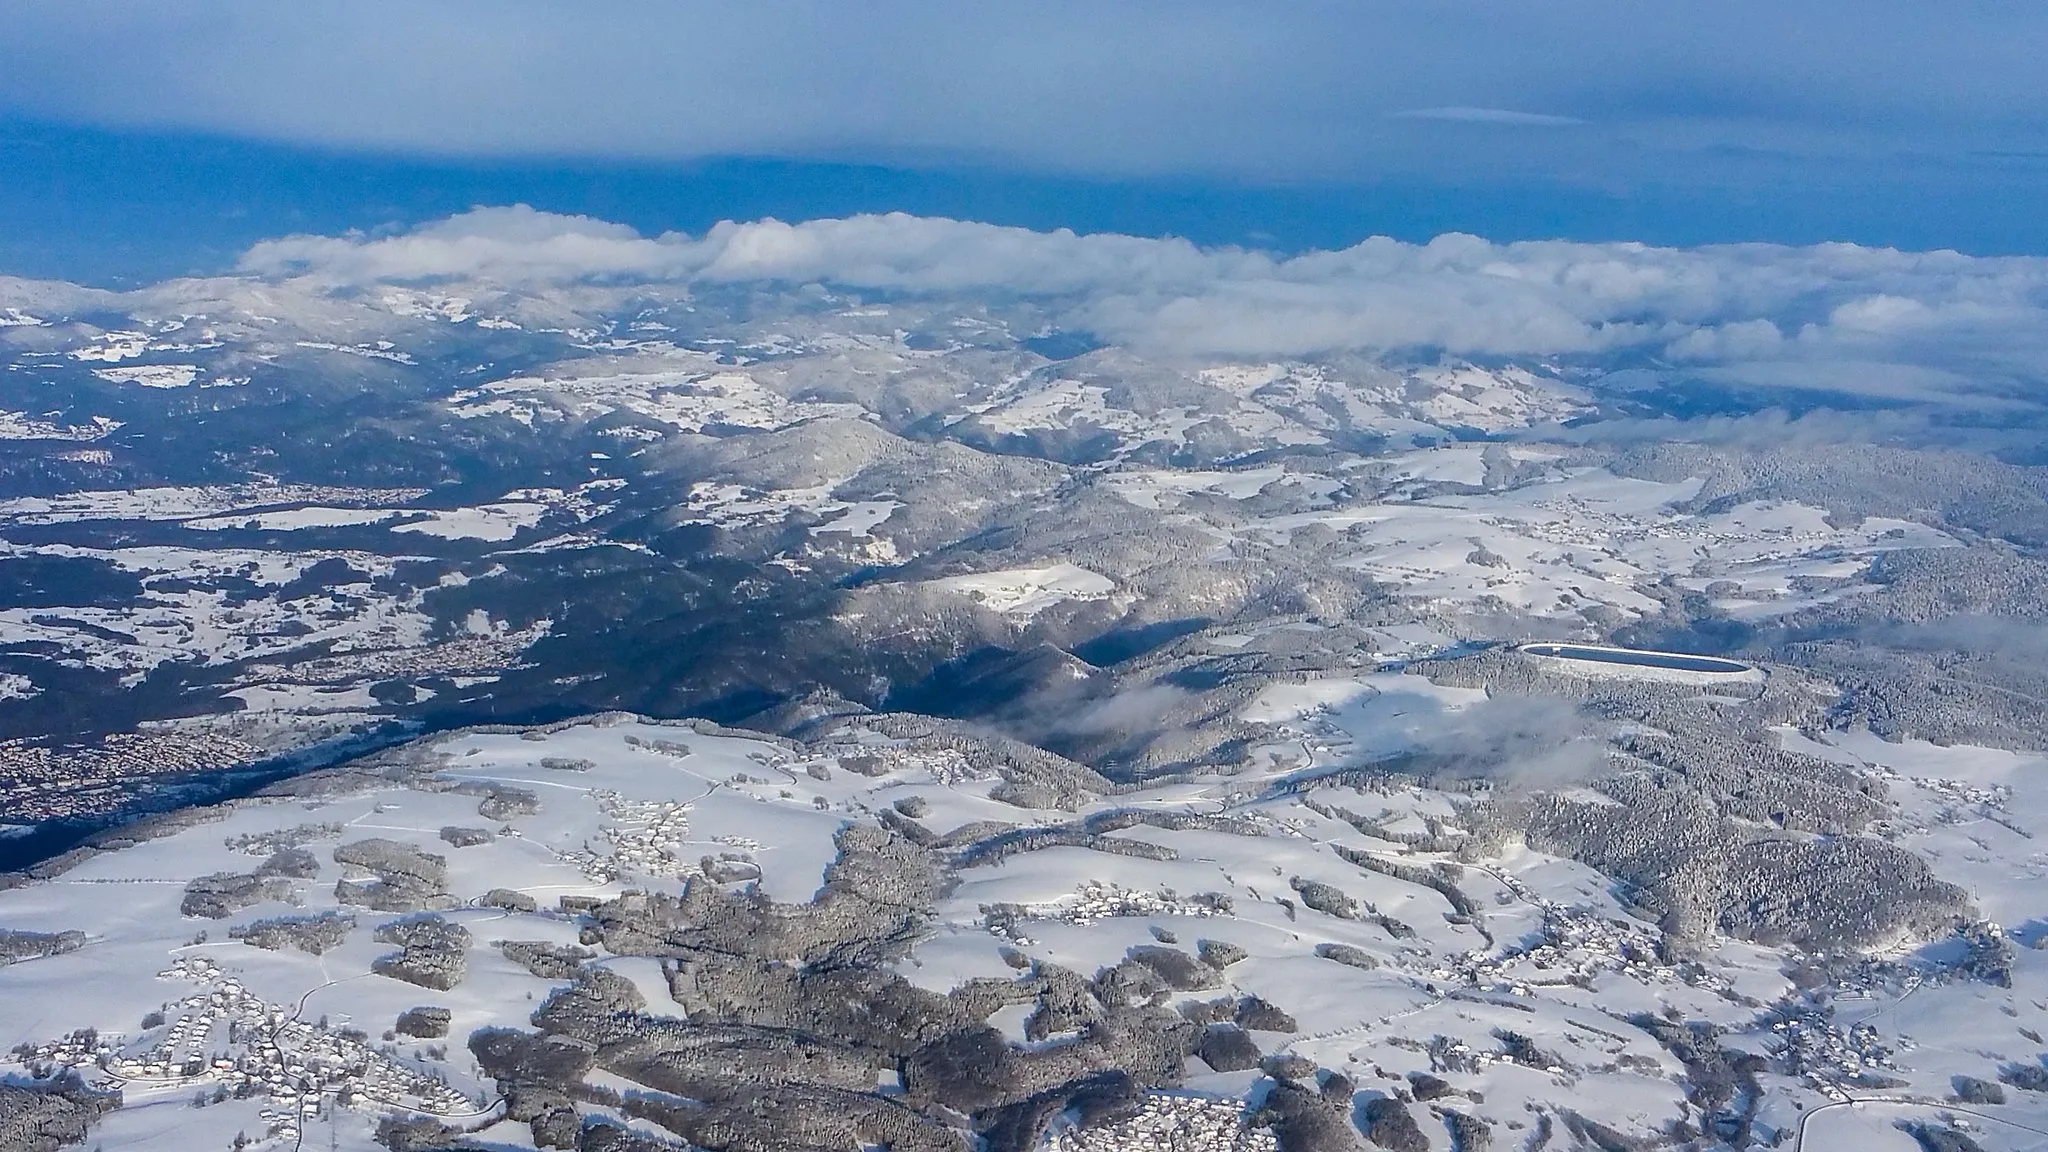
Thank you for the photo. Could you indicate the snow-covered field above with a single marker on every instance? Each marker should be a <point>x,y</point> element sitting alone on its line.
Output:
<point>152,375</point>
<point>196,502</point>
<point>687,392</point>
<point>483,522</point>
<point>1397,980</point>
<point>1025,592</point>
<point>22,426</point>
<point>1556,545</point>
<point>1280,405</point>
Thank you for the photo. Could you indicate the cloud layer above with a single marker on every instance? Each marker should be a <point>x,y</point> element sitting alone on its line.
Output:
<point>1599,89</point>
<point>1905,325</point>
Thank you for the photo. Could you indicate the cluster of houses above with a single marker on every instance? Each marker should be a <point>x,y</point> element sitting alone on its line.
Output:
<point>224,1041</point>
<point>1577,945</point>
<point>1172,1123</point>
<point>1834,1059</point>
<point>642,837</point>
<point>1093,900</point>
<point>41,783</point>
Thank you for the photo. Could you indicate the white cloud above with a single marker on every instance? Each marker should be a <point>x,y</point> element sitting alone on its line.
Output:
<point>1738,340</point>
<point>512,245</point>
<point>1488,116</point>
<point>1938,320</point>
<point>1222,86</point>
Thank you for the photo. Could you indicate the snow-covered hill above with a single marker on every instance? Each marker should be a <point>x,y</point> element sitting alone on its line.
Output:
<point>296,967</point>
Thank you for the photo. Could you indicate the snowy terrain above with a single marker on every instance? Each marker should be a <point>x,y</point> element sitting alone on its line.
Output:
<point>1417,986</point>
<point>1151,748</point>
<point>1024,592</point>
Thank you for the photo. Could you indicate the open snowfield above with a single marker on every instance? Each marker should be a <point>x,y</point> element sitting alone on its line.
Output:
<point>152,375</point>
<point>293,519</point>
<point>1025,592</point>
<point>495,522</point>
<point>22,426</point>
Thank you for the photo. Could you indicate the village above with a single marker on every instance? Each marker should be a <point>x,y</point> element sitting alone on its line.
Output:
<point>1093,900</point>
<point>1834,1059</point>
<point>225,1042</point>
<point>1577,945</point>
<point>1168,1122</point>
<point>646,838</point>
<point>71,783</point>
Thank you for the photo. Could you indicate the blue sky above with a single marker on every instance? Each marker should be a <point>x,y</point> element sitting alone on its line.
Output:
<point>141,139</point>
